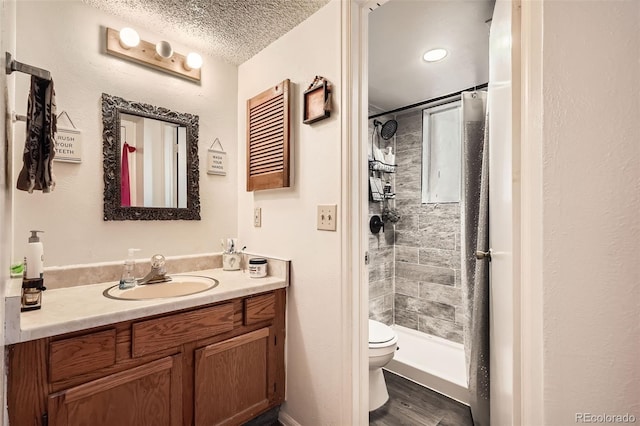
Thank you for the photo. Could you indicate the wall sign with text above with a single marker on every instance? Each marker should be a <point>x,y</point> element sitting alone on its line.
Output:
<point>68,142</point>
<point>216,159</point>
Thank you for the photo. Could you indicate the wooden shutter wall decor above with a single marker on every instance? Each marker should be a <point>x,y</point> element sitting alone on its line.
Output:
<point>268,139</point>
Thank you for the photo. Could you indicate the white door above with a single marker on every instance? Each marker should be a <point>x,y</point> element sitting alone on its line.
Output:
<point>504,205</point>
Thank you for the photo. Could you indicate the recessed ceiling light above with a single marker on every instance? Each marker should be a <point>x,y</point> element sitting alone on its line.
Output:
<point>435,55</point>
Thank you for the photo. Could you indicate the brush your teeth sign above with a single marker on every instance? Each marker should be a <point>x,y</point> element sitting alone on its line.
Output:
<point>68,143</point>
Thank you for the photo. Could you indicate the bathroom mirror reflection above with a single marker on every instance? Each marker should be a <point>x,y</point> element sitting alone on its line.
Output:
<point>150,162</point>
<point>153,163</point>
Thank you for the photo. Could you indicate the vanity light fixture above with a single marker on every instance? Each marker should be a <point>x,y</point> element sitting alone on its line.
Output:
<point>193,62</point>
<point>164,49</point>
<point>160,56</point>
<point>435,55</point>
<point>128,38</point>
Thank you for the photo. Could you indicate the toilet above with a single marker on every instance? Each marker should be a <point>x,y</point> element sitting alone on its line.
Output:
<point>383,342</point>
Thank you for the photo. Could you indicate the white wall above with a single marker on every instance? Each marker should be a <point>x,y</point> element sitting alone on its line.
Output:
<point>314,353</point>
<point>71,216</point>
<point>591,200</point>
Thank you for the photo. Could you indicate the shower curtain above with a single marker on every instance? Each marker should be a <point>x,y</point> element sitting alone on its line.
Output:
<point>475,237</point>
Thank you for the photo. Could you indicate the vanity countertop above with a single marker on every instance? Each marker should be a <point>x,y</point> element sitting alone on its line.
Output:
<point>76,308</point>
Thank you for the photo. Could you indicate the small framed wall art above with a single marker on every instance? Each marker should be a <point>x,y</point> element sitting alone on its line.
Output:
<point>216,159</point>
<point>68,144</point>
<point>317,101</point>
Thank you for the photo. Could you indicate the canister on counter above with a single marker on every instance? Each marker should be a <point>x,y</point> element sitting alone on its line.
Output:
<point>257,267</point>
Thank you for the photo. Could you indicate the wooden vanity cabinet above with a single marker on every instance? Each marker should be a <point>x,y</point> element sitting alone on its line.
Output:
<point>150,394</point>
<point>220,364</point>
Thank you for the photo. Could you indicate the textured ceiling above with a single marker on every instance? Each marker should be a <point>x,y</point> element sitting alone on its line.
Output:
<point>233,30</point>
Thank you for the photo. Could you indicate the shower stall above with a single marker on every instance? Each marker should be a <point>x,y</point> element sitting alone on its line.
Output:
<point>414,273</point>
<point>416,268</point>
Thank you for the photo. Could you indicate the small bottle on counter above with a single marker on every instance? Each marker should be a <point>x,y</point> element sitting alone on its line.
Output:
<point>33,278</point>
<point>128,278</point>
<point>257,267</point>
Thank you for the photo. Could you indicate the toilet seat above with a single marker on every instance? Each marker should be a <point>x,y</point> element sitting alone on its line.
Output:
<point>381,335</point>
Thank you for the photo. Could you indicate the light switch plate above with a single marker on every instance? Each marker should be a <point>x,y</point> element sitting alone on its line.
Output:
<point>327,217</point>
<point>257,217</point>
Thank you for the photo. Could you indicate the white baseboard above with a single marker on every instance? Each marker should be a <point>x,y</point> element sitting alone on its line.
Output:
<point>287,420</point>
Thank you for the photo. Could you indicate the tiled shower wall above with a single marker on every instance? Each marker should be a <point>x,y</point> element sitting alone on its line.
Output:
<point>425,272</point>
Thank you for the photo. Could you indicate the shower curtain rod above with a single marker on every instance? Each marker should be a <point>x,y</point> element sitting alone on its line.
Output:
<point>440,99</point>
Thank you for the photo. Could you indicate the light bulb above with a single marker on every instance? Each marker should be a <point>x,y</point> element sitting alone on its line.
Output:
<point>193,62</point>
<point>129,38</point>
<point>164,49</point>
<point>435,55</point>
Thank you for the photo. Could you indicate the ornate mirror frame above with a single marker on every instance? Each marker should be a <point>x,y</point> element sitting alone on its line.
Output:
<point>112,107</point>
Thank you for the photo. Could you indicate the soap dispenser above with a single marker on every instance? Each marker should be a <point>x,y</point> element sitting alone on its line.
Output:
<point>35,257</point>
<point>33,281</point>
<point>128,279</point>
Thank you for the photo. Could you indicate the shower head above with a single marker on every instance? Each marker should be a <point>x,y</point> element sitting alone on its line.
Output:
<point>388,129</point>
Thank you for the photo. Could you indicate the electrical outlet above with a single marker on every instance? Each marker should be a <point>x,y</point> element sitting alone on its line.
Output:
<point>327,217</point>
<point>257,217</point>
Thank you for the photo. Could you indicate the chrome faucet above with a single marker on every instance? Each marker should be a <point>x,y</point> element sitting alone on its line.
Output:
<point>158,273</point>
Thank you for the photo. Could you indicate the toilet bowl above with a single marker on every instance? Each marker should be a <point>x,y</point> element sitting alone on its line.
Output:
<point>383,342</point>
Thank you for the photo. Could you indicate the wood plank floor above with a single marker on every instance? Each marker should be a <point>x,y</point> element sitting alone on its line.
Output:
<point>411,404</point>
<point>270,418</point>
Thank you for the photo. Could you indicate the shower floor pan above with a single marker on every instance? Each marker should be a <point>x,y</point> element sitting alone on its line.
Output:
<point>431,361</point>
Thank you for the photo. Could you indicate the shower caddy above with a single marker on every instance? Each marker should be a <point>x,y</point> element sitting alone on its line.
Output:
<point>379,171</point>
<point>378,168</point>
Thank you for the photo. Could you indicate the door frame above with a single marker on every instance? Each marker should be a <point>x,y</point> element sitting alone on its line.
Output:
<point>527,402</point>
<point>531,402</point>
<point>354,197</point>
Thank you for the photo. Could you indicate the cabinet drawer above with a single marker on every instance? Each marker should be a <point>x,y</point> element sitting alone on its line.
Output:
<point>175,330</point>
<point>259,308</point>
<point>79,355</point>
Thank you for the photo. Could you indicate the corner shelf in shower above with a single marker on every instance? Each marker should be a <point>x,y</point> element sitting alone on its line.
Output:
<point>379,166</point>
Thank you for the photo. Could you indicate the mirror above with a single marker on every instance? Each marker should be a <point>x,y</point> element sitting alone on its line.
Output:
<point>150,162</point>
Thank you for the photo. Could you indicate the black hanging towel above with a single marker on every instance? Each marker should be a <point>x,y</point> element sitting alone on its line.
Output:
<point>39,148</point>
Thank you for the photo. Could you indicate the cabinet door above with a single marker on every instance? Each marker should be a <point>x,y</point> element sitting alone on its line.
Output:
<point>150,394</point>
<point>232,379</point>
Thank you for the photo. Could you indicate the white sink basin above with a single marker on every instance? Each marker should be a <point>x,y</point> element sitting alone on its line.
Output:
<point>180,285</point>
